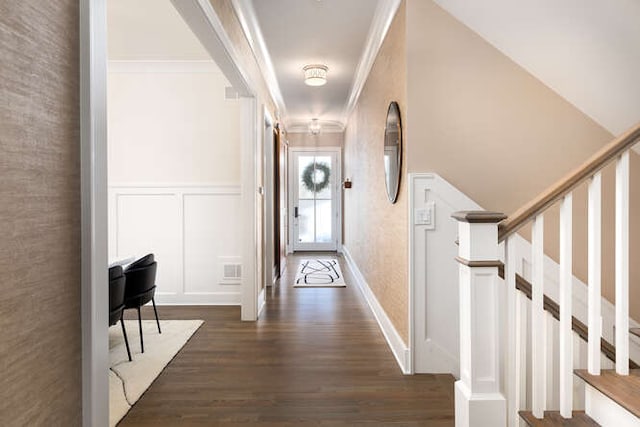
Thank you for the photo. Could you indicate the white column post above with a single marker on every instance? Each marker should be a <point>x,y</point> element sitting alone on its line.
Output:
<point>478,395</point>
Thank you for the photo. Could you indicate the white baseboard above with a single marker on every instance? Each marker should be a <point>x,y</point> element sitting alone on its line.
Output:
<point>440,360</point>
<point>212,298</point>
<point>396,343</point>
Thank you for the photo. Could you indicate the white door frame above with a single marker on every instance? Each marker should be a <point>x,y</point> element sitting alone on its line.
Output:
<point>338,191</point>
<point>93,167</point>
<point>204,22</point>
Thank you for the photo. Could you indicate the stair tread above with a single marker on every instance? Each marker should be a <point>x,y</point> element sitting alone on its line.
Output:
<point>553,418</point>
<point>622,389</point>
<point>635,331</point>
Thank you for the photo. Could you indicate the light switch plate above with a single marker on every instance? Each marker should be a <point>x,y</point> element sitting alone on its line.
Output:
<point>426,216</point>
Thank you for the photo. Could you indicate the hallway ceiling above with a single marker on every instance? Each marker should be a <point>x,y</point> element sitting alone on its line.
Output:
<point>286,35</point>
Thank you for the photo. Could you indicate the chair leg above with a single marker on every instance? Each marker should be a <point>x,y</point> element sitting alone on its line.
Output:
<point>140,324</point>
<point>126,341</point>
<point>153,301</point>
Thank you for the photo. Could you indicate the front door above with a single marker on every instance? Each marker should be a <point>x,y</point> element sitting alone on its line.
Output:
<point>315,190</point>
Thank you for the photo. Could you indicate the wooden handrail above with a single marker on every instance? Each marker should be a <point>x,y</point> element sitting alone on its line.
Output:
<point>561,188</point>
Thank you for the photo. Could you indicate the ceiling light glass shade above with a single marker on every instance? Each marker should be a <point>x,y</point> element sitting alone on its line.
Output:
<point>314,127</point>
<point>315,75</point>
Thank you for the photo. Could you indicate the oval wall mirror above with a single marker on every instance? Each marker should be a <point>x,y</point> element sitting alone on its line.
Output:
<point>393,151</point>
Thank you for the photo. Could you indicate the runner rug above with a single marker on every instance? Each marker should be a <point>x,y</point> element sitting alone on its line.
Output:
<point>319,273</point>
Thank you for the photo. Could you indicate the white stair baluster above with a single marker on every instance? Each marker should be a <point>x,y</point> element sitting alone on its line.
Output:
<point>595,273</point>
<point>538,363</point>
<point>566,333</point>
<point>622,264</point>
<point>514,365</point>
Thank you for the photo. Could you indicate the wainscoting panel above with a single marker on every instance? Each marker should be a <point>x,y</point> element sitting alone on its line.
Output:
<point>150,223</point>
<point>211,231</point>
<point>192,229</point>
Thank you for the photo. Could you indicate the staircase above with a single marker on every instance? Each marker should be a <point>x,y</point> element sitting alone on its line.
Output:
<point>507,348</point>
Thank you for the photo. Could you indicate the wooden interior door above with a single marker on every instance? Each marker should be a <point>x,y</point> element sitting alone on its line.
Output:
<point>277,242</point>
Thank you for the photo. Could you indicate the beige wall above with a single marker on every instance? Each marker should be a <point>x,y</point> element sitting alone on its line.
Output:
<point>172,127</point>
<point>320,140</point>
<point>40,350</point>
<point>497,133</point>
<point>483,123</point>
<point>375,231</point>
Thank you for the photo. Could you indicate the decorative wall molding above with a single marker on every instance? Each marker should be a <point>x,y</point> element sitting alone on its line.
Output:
<point>450,199</point>
<point>185,214</point>
<point>434,304</point>
<point>396,343</point>
<point>205,24</point>
<point>138,66</point>
<point>382,19</point>
<point>251,28</point>
<point>199,298</point>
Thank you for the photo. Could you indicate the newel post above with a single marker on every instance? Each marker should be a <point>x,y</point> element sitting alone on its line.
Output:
<point>478,396</point>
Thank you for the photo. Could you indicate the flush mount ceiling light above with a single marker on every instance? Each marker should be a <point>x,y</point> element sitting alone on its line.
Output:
<point>314,127</point>
<point>315,75</point>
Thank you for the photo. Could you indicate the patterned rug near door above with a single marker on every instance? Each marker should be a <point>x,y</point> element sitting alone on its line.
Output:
<point>319,273</point>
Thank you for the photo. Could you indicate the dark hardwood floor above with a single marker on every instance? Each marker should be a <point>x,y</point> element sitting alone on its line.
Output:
<point>316,357</point>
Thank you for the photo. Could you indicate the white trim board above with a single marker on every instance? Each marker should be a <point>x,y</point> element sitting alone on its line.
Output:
<point>205,24</point>
<point>249,22</point>
<point>199,298</point>
<point>396,343</point>
<point>382,19</point>
<point>93,170</point>
<point>433,302</point>
<point>146,66</point>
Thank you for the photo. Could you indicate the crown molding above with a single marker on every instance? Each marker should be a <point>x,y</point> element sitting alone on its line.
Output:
<point>249,22</point>
<point>326,126</point>
<point>382,19</point>
<point>163,66</point>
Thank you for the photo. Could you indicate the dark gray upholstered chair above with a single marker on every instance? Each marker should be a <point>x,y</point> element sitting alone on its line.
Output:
<point>141,288</point>
<point>117,284</point>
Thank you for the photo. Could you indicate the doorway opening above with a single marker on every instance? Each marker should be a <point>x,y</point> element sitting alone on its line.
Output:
<point>205,24</point>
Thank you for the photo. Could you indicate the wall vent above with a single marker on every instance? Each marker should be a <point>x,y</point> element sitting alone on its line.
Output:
<point>229,270</point>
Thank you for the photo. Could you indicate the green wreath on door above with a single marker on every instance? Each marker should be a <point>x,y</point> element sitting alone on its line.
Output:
<point>309,176</point>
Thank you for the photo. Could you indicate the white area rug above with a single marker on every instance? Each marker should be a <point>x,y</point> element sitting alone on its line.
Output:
<point>129,380</point>
<point>319,273</point>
